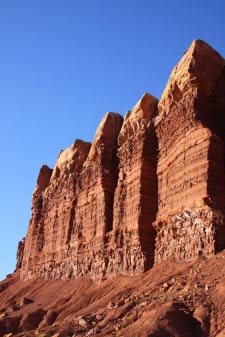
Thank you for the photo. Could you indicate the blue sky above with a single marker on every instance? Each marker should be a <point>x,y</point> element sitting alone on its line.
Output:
<point>63,64</point>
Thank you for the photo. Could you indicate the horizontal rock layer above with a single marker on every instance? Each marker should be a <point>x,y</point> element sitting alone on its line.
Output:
<point>149,188</point>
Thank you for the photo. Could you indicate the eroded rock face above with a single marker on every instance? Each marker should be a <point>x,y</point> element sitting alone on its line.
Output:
<point>47,240</point>
<point>135,202</point>
<point>75,210</point>
<point>191,180</point>
<point>94,205</point>
<point>19,255</point>
<point>149,188</point>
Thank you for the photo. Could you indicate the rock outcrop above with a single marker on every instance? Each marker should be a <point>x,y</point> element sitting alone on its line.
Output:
<point>73,208</point>
<point>191,177</point>
<point>149,188</point>
<point>46,242</point>
<point>135,202</point>
<point>19,255</point>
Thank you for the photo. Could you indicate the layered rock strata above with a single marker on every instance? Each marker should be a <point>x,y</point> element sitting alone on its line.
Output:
<point>53,200</point>
<point>191,180</point>
<point>149,188</point>
<point>93,218</point>
<point>73,208</point>
<point>135,202</point>
<point>19,255</point>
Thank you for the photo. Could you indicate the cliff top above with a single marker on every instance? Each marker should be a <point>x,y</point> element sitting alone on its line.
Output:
<point>200,68</point>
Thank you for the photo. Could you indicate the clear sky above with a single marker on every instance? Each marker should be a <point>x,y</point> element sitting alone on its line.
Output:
<point>63,64</point>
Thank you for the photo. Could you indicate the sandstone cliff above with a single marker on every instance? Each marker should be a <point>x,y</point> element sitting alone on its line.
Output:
<point>191,178</point>
<point>149,188</point>
<point>135,202</point>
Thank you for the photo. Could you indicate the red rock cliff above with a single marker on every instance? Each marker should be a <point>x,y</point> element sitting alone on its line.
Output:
<point>149,188</point>
<point>135,202</point>
<point>191,181</point>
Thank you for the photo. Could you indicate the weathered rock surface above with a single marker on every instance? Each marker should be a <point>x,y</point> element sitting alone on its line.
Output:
<point>135,202</point>
<point>19,255</point>
<point>149,188</point>
<point>47,240</point>
<point>191,177</point>
<point>94,205</point>
<point>73,208</point>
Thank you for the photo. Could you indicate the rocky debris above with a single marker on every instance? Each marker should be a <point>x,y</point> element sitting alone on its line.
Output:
<point>93,331</point>
<point>85,323</point>
<point>13,307</point>
<point>176,320</point>
<point>48,319</point>
<point>63,333</point>
<point>25,301</point>
<point>32,319</point>
<point>9,324</point>
<point>3,315</point>
<point>202,314</point>
<point>168,298</point>
<point>111,305</point>
<point>189,234</point>
<point>99,317</point>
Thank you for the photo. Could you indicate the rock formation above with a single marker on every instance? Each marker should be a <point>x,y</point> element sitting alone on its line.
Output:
<point>135,202</point>
<point>73,208</point>
<point>19,255</point>
<point>149,188</point>
<point>52,212</point>
<point>191,177</point>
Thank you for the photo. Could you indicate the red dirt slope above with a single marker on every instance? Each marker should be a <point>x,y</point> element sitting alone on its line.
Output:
<point>172,299</point>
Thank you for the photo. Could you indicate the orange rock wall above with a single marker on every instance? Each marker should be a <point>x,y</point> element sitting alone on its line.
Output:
<point>135,202</point>
<point>191,177</point>
<point>46,243</point>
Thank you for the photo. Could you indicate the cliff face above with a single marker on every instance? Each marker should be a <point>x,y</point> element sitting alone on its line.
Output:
<point>149,188</point>
<point>135,201</point>
<point>191,181</point>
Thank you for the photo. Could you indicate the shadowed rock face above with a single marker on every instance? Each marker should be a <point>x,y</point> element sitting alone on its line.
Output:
<point>149,188</point>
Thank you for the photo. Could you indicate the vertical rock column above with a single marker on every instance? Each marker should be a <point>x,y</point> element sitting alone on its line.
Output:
<point>94,208</point>
<point>35,235</point>
<point>135,202</point>
<point>53,212</point>
<point>191,182</point>
<point>19,255</point>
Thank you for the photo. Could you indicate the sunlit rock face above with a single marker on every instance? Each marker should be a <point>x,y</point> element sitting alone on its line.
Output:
<point>150,187</point>
<point>73,208</point>
<point>135,201</point>
<point>53,199</point>
<point>191,182</point>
